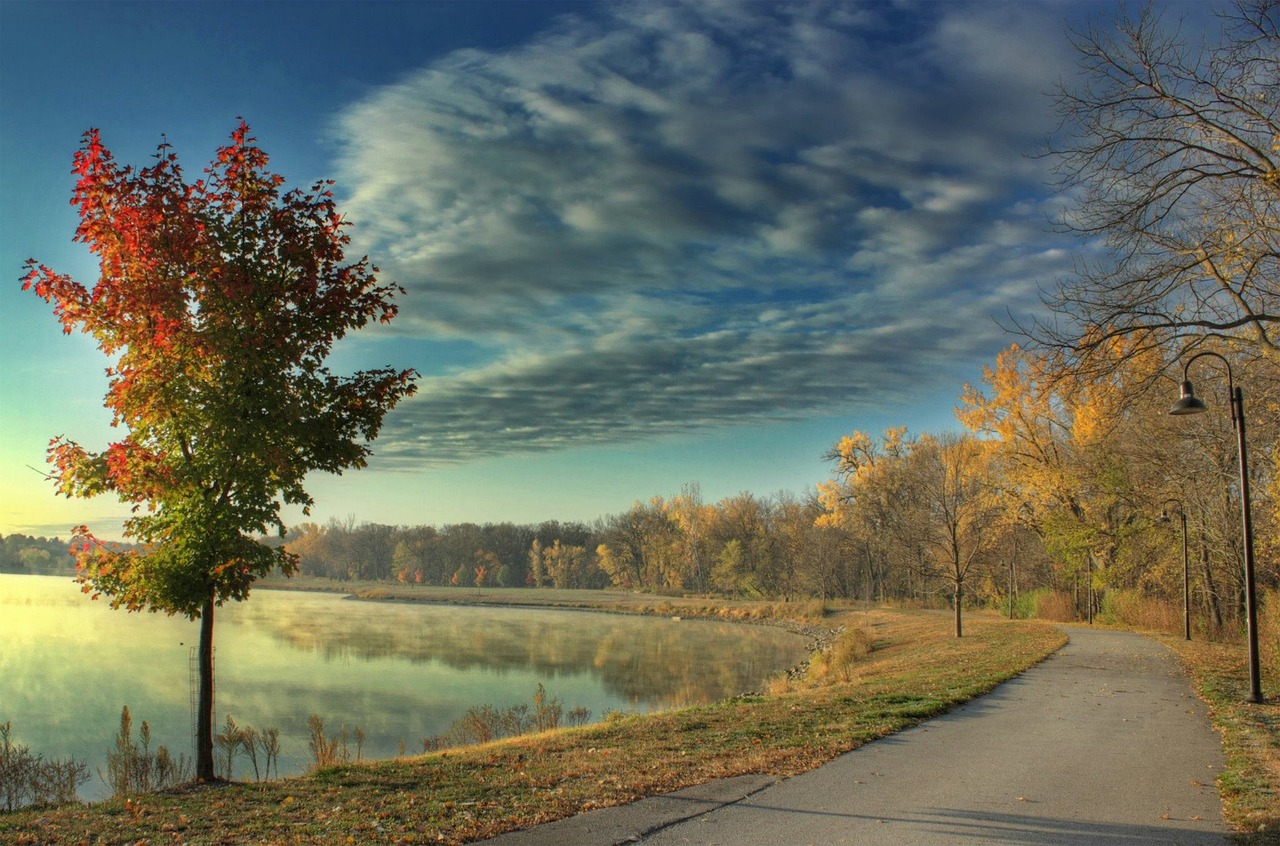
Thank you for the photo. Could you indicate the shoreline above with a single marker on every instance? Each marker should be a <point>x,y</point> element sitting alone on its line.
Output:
<point>819,635</point>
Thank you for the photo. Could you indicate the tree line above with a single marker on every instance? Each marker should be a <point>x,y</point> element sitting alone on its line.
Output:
<point>1057,481</point>
<point>21,553</point>
<point>743,545</point>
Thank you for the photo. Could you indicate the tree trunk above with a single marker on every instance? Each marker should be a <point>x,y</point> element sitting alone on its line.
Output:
<point>959,600</point>
<point>204,701</point>
<point>1210,590</point>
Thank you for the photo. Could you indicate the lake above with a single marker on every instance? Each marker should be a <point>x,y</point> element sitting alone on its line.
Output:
<point>399,671</point>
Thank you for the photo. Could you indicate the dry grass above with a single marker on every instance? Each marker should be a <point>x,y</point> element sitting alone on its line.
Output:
<point>917,671</point>
<point>1250,784</point>
<point>1132,610</point>
<point>843,660</point>
<point>631,602</point>
<point>1055,605</point>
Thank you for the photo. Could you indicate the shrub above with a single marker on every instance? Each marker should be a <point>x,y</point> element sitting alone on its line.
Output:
<point>837,662</point>
<point>27,779</point>
<point>133,768</point>
<point>335,750</point>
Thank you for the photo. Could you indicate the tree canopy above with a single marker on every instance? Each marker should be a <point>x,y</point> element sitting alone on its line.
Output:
<point>219,301</point>
<point>1170,152</point>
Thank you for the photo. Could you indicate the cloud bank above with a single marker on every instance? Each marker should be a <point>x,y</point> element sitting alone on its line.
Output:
<point>663,218</point>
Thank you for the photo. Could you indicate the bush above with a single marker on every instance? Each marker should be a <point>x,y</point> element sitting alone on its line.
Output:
<point>837,663</point>
<point>1133,610</point>
<point>132,768</point>
<point>484,723</point>
<point>27,779</point>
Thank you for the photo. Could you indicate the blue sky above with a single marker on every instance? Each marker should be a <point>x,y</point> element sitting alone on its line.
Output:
<point>644,244</point>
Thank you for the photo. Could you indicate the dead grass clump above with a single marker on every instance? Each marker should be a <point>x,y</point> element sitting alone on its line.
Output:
<point>1144,613</point>
<point>1055,606</point>
<point>838,663</point>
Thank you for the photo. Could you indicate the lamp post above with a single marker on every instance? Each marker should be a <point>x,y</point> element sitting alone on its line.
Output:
<point>1188,403</point>
<point>1186,568</point>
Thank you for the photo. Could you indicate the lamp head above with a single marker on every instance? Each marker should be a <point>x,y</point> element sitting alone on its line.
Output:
<point>1187,402</point>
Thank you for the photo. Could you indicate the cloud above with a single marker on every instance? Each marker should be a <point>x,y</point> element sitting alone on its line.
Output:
<point>677,217</point>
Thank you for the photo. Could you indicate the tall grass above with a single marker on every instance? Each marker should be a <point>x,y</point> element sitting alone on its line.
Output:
<point>28,779</point>
<point>835,663</point>
<point>333,750</point>
<point>1133,610</point>
<point>132,767</point>
<point>485,723</point>
<point>1045,604</point>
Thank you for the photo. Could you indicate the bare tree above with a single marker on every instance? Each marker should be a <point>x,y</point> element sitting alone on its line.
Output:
<point>957,500</point>
<point>1170,153</point>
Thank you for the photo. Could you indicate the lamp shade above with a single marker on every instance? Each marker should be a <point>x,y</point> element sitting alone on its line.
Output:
<point>1187,402</point>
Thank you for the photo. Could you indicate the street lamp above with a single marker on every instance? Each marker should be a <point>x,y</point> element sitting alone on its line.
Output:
<point>1186,569</point>
<point>1188,403</point>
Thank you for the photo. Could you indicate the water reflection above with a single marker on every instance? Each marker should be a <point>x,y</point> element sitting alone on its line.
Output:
<point>645,662</point>
<point>400,671</point>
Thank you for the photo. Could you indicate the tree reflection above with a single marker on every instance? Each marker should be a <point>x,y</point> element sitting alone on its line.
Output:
<point>654,662</point>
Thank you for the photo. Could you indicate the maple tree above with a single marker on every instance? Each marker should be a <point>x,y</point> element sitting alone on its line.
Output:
<point>219,300</point>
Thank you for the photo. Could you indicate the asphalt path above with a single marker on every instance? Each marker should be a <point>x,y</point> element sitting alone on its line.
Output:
<point>1102,744</point>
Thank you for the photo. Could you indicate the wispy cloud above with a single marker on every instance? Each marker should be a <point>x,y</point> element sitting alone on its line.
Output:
<point>669,217</point>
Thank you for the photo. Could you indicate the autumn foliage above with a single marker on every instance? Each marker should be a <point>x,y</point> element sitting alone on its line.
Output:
<point>218,302</point>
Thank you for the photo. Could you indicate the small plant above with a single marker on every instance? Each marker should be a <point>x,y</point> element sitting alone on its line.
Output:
<point>837,663</point>
<point>249,742</point>
<point>27,779</point>
<point>269,743</point>
<point>230,741</point>
<point>484,723</point>
<point>332,751</point>
<point>133,768</point>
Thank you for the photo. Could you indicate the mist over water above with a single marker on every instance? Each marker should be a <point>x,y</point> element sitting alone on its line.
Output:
<point>399,671</point>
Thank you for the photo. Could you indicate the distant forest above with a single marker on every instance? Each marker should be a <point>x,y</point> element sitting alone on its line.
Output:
<point>744,545</point>
<point>32,555</point>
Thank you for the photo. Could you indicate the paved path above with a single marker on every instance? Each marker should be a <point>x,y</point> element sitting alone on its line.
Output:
<point>1103,744</point>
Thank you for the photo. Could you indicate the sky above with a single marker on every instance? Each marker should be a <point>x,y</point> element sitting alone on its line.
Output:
<point>644,244</point>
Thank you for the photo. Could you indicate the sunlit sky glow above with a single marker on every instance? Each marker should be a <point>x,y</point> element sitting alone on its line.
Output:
<point>644,244</point>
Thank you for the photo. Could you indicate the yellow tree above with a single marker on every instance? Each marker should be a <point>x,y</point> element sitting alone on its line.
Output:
<point>868,502</point>
<point>956,501</point>
<point>1070,443</point>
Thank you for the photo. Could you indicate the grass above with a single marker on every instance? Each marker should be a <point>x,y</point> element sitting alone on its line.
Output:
<point>916,671</point>
<point>631,602</point>
<point>1250,783</point>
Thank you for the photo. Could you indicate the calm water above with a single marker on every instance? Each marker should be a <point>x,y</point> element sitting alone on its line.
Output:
<point>399,671</point>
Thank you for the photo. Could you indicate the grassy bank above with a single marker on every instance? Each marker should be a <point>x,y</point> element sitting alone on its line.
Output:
<point>631,602</point>
<point>1250,783</point>
<point>915,671</point>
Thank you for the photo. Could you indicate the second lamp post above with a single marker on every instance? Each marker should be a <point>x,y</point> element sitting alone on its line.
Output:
<point>1188,403</point>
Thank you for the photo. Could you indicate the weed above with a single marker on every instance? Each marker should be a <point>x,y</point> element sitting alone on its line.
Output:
<point>133,768</point>
<point>27,779</point>
<point>486,723</point>
<point>335,750</point>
